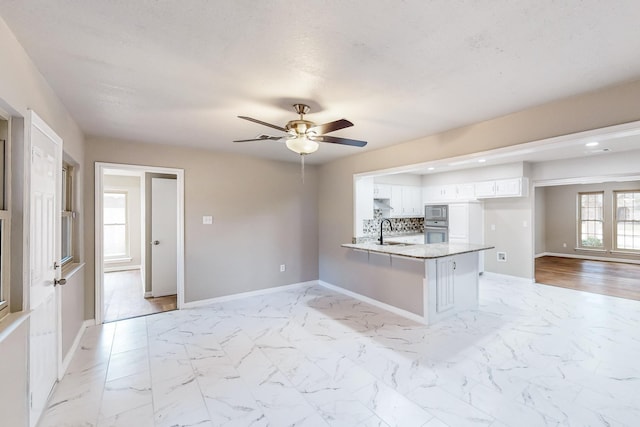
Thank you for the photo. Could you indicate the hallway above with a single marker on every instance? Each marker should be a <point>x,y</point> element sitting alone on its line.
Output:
<point>124,298</point>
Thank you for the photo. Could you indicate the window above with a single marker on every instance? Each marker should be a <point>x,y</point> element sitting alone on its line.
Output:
<point>590,220</point>
<point>627,220</point>
<point>68,215</point>
<point>116,233</point>
<point>5,219</point>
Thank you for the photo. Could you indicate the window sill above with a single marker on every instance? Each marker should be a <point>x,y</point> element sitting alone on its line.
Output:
<point>70,269</point>
<point>10,323</point>
<point>117,260</point>
<point>602,251</point>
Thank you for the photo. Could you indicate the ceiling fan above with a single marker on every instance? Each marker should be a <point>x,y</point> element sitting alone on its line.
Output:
<point>302,136</point>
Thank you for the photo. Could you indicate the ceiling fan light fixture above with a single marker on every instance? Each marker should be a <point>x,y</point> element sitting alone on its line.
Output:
<point>302,145</point>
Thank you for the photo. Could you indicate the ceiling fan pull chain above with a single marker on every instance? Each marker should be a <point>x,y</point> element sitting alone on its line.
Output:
<point>302,166</point>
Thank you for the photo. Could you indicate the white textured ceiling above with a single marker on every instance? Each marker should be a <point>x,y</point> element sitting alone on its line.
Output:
<point>179,72</point>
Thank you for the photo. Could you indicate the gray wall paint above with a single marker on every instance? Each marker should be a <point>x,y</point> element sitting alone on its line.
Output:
<point>22,87</point>
<point>263,214</point>
<point>589,111</point>
<point>132,185</point>
<point>561,217</point>
<point>511,235</point>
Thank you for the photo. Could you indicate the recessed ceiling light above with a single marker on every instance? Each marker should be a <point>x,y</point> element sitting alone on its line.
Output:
<point>592,144</point>
<point>431,168</point>
<point>482,160</point>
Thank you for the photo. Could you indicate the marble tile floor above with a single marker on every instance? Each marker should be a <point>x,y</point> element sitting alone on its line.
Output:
<point>532,355</point>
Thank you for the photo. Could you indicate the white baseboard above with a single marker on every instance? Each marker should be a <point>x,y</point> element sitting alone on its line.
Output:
<point>74,347</point>
<point>374,302</point>
<point>590,257</point>
<point>248,294</point>
<point>121,268</point>
<point>497,276</point>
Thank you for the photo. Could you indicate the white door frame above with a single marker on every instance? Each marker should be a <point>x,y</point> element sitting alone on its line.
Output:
<point>99,259</point>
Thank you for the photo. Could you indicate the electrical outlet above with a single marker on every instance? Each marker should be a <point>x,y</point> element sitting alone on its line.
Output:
<point>493,227</point>
<point>502,257</point>
<point>282,268</point>
<point>564,245</point>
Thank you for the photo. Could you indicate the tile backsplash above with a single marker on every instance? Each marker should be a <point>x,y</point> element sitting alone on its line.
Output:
<point>371,227</point>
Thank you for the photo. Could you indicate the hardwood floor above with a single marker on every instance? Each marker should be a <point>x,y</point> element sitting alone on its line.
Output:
<point>601,277</point>
<point>124,299</point>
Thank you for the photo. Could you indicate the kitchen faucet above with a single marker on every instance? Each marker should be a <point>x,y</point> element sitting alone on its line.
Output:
<point>381,224</point>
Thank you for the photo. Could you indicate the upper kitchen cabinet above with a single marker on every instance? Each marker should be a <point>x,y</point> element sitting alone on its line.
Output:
<point>451,192</point>
<point>381,191</point>
<point>406,201</point>
<point>514,187</point>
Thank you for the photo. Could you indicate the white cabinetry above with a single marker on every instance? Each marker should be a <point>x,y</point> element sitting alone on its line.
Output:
<point>445,284</point>
<point>446,193</point>
<point>514,187</point>
<point>466,225</point>
<point>406,201</point>
<point>381,191</point>
<point>364,203</point>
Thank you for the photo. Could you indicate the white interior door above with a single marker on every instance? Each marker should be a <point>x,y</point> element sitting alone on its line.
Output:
<point>44,242</point>
<point>164,236</point>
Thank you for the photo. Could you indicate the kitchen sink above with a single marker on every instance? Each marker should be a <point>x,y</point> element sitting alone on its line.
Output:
<point>395,244</point>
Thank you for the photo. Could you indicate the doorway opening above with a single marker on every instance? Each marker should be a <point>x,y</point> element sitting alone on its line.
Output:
<point>586,237</point>
<point>139,241</point>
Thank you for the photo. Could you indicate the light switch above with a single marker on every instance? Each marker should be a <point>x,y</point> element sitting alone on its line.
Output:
<point>207,219</point>
<point>493,227</point>
<point>524,223</point>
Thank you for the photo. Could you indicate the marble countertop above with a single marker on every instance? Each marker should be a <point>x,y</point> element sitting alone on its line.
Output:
<point>430,251</point>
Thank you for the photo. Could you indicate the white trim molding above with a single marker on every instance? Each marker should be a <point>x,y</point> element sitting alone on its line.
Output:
<point>395,310</point>
<point>100,168</point>
<point>121,268</point>
<point>591,257</point>
<point>241,295</point>
<point>74,347</point>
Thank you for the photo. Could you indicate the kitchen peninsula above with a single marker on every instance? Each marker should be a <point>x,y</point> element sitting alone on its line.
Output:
<point>449,277</point>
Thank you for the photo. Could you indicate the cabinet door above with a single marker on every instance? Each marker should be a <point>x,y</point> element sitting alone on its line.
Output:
<point>459,222</point>
<point>485,189</point>
<point>466,191</point>
<point>411,201</point>
<point>445,284</point>
<point>509,187</point>
<point>382,191</point>
<point>364,200</point>
<point>396,201</point>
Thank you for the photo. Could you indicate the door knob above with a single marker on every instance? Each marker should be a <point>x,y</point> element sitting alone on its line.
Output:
<point>59,282</point>
<point>156,242</point>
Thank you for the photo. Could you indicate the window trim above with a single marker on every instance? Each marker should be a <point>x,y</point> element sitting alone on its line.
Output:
<point>579,244</point>
<point>67,205</point>
<point>125,257</point>
<point>5,219</point>
<point>615,224</point>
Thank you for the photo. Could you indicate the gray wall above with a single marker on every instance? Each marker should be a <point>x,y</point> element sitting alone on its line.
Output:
<point>263,216</point>
<point>22,87</point>
<point>593,110</point>
<point>561,217</point>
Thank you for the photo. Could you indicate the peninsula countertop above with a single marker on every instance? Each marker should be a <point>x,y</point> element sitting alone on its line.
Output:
<point>428,251</point>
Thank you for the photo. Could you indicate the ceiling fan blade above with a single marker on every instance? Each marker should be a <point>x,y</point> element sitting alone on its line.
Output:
<point>331,126</point>
<point>262,138</point>
<point>260,122</point>
<point>337,140</point>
